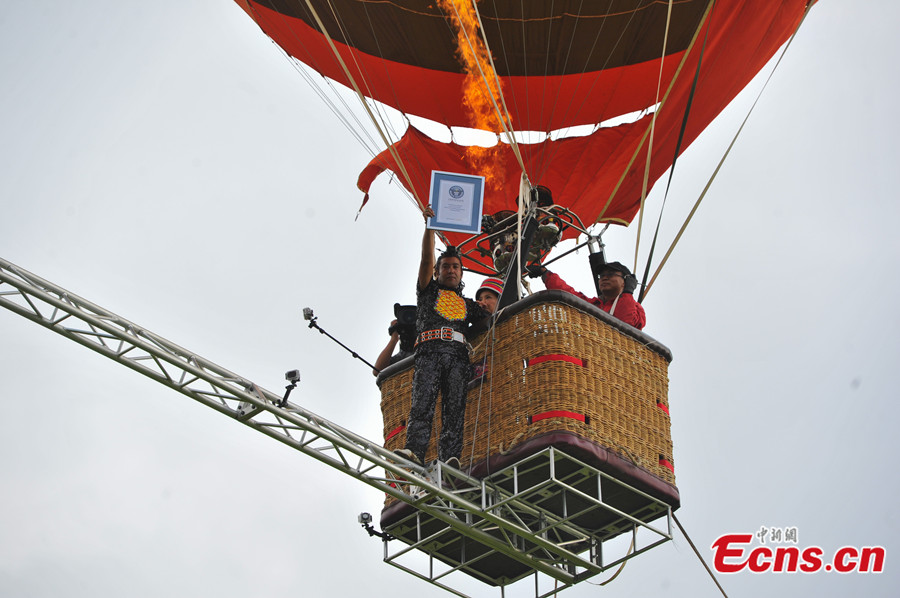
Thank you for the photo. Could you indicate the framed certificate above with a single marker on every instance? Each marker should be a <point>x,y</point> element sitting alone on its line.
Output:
<point>457,201</point>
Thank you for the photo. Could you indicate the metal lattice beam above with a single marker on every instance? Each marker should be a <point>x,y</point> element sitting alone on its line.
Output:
<point>487,514</point>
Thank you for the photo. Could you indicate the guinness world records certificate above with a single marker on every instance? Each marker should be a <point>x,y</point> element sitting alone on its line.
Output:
<point>457,201</point>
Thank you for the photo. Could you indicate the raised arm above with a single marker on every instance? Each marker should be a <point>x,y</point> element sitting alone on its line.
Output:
<point>426,265</point>
<point>384,358</point>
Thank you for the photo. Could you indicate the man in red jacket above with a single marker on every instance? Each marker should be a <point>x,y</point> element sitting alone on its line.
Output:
<point>616,287</point>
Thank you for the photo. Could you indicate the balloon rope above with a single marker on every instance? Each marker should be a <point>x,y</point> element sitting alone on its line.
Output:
<point>362,100</point>
<point>684,122</point>
<point>705,566</point>
<point>573,109</point>
<point>619,570</point>
<point>344,117</point>
<point>411,158</point>
<point>524,203</point>
<point>675,76</point>
<point>489,342</point>
<point>379,110</point>
<point>662,61</point>
<point>725,155</point>
<point>337,101</point>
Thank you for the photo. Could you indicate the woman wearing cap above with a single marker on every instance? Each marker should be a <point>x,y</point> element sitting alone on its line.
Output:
<point>488,294</point>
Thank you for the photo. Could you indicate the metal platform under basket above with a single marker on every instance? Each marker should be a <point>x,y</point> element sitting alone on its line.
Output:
<point>548,516</point>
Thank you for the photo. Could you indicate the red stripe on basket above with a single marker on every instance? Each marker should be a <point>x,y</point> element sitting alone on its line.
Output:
<point>548,414</point>
<point>666,464</point>
<point>664,408</point>
<point>394,432</point>
<point>555,357</point>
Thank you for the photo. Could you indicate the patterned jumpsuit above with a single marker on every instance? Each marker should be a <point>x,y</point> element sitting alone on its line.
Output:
<point>440,366</point>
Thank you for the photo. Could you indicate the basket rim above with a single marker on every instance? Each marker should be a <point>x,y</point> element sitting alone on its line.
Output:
<point>549,296</point>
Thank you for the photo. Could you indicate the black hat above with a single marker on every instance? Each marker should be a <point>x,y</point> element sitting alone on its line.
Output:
<point>616,266</point>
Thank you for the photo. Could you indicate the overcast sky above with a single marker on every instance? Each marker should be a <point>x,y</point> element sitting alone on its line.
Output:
<point>164,161</point>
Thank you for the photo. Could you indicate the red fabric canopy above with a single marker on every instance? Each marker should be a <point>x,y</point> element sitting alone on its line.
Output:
<point>583,172</point>
<point>562,63</point>
<point>580,172</point>
<point>560,66</point>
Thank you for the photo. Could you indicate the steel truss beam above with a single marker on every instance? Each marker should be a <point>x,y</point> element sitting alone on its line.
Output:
<point>498,517</point>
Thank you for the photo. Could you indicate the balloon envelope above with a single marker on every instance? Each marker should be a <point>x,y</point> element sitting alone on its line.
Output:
<point>561,64</point>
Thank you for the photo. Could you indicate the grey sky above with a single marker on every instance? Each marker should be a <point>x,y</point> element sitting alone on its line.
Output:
<point>164,161</point>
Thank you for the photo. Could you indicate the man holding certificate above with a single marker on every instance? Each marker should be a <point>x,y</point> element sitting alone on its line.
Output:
<point>441,353</point>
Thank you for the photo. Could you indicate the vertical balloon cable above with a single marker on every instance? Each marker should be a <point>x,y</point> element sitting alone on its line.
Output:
<point>357,132</point>
<point>377,105</point>
<point>359,93</point>
<point>662,62</point>
<point>524,196</point>
<point>339,21</point>
<point>662,103</point>
<point>684,121</point>
<point>719,165</point>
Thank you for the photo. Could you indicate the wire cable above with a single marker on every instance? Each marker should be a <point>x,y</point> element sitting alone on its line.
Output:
<point>361,97</point>
<point>675,76</point>
<point>644,185</point>
<point>684,121</point>
<point>722,160</point>
<point>697,552</point>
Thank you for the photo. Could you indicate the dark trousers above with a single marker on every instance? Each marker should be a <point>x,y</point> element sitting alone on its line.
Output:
<point>448,373</point>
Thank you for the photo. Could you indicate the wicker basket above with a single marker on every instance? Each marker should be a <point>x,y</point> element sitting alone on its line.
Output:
<point>555,364</point>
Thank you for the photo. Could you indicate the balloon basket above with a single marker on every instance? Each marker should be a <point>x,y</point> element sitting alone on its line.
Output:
<point>567,432</point>
<point>557,372</point>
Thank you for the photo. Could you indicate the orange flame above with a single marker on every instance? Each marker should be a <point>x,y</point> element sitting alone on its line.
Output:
<point>479,97</point>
